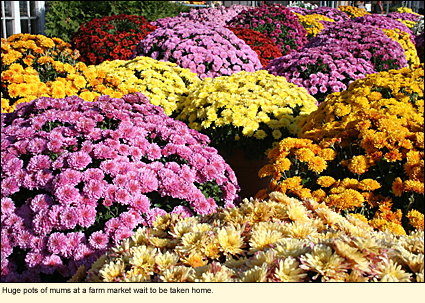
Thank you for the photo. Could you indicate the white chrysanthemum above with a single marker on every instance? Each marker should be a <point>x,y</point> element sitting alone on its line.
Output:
<point>289,271</point>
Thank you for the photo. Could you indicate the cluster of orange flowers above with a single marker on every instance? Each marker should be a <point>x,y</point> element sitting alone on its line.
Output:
<point>362,151</point>
<point>36,66</point>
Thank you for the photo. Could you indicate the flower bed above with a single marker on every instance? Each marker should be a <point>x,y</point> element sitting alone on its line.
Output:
<point>321,70</point>
<point>247,111</point>
<point>110,38</point>
<point>279,240</point>
<point>78,177</point>
<point>164,83</point>
<point>361,152</point>
<point>363,41</point>
<point>261,44</point>
<point>206,51</point>
<point>275,21</point>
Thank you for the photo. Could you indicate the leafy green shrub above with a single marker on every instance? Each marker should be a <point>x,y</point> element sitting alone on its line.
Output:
<point>63,18</point>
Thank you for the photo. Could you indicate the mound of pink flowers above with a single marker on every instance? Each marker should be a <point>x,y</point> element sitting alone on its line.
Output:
<point>363,41</point>
<point>205,50</point>
<point>321,70</point>
<point>77,177</point>
<point>384,22</point>
<point>215,16</point>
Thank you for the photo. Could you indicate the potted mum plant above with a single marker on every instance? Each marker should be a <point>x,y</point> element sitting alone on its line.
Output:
<point>361,152</point>
<point>245,115</point>
<point>77,177</point>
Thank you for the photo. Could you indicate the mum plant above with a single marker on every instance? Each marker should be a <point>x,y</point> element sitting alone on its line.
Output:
<point>361,152</point>
<point>36,66</point>
<point>408,19</point>
<point>383,22</point>
<point>110,38</point>
<point>204,50</point>
<point>288,240</point>
<point>321,70</point>
<point>313,23</point>
<point>77,177</point>
<point>246,111</point>
<point>363,41</point>
<point>260,43</point>
<point>164,83</point>
<point>330,12</point>
<point>215,16</point>
<point>352,11</point>
<point>275,21</point>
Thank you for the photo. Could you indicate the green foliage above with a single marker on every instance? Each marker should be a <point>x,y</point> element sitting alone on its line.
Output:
<point>63,18</point>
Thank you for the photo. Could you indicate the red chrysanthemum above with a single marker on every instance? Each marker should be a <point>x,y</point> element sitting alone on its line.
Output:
<point>265,48</point>
<point>110,38</point>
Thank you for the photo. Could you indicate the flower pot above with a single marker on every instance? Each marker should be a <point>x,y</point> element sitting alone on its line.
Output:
<point>247,173</point>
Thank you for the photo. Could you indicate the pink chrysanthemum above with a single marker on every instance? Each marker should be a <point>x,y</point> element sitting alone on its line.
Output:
<point>98,240</point>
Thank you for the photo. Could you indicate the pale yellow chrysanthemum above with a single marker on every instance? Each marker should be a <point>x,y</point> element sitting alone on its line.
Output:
<point>214,272</point>
<point>256,274</point>
<point>230,240</point>
<point>325,262</point>
<point>192,241</point>
<point>195,259</point>
<point>288,270</point>
<point>143,257</point>
<point>262,257</point>
<point>353,255</point>
<point>388,271</point>
<point>178,274</point>
<point>166,260</point>
<point>112,271</point>
<point>262,238</point>
<point>300,230</point>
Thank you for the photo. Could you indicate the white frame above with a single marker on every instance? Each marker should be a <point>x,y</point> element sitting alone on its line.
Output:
<point>16,17</point>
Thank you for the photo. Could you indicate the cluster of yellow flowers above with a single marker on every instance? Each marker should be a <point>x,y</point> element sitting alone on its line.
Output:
<point>245,106</point>
<point>406,10</point>
<point>404,39</point>
<point>408,23</point>
<point>352,11</point>
<point>312,23</point>
<point>164,83</point>
<point>36,66</point>
<point>361,151</point>
<point>279,240</point>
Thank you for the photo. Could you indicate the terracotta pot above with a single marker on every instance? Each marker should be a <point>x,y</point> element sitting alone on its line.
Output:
<point>247,173</point>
